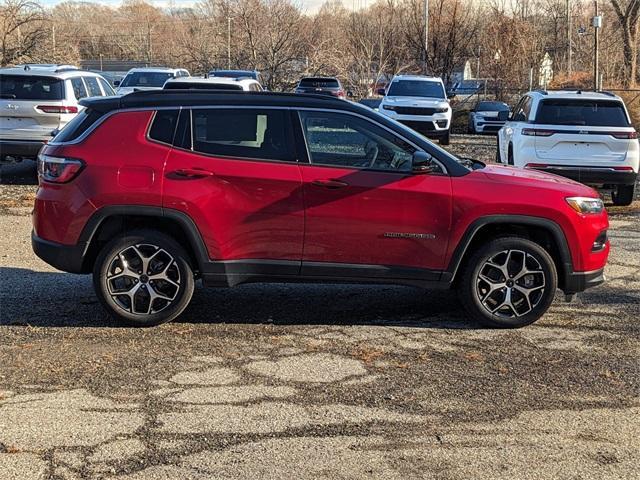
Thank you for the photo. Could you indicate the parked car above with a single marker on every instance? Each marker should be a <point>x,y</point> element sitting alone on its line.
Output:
<point>329,86</point>
<point>586,136</point>
<point>37,100</point>
<point>372,103</point>
<point>213,83</point>
<point>234,188</point>
<point>151,78</point>
<point>420,103</point>
<point>484,117</point>
<point>238,74</point>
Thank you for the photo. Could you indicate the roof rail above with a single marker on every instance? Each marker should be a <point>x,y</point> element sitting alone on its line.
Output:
<point>543,92</point>
<point>606,92</point>
<point>56,67</point>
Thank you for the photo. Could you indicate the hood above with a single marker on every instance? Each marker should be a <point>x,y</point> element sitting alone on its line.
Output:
<point>488,114</point>
<point>125,90</point>
<point>416,101</point>
<point>534,178</point>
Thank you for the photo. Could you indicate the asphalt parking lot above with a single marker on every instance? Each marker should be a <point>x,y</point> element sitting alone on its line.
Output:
<point>309,381</point>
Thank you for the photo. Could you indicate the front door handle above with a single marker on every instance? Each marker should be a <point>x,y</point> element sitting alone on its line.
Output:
<point>330,183</point>
<point>193,172</point>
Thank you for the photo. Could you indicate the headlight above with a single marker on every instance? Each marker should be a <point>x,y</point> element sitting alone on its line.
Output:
<point>388,107</point>
<point>586,204</point>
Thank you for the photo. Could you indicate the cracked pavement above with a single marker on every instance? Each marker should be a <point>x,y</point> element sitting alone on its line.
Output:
<point>316,381</point>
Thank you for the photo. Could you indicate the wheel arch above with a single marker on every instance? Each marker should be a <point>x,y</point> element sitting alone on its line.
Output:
<point>542,231</point>
<point>108,222</point>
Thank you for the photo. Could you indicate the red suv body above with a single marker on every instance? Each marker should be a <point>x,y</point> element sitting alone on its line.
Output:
<point>155,189</point>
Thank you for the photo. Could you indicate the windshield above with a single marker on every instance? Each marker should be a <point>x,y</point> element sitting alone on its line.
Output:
<point>595,113</point>
<point>146,79</point>
<point>492,107</point>
<point>416,88</point>
<point>30,87</point>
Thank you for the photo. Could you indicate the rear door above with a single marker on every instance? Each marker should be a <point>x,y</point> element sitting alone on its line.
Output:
<point>29,106</point>
<point>582,132</point>
<point>234,172</point>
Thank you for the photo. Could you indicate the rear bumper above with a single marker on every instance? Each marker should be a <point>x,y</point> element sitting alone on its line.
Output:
<point>579,281</point>
<point>20,148</point>
<point>67,258</point>
<point>592,175</point>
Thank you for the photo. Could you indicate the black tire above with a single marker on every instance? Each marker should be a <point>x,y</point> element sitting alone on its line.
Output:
<point>510,155</point>
<point>445,139</point>
<point>156,248</point>
<point>471,286</point>
<point>623,195</point>
<point>471,128</point>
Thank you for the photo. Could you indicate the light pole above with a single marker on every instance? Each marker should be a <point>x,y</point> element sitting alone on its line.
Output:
<point>229,42</point>
<point>569,38</point>
<point>596,22</point>
<point>426,36</point>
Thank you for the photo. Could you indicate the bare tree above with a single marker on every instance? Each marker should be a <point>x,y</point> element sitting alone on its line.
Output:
<point>628,13</point>
<point>22,30</point>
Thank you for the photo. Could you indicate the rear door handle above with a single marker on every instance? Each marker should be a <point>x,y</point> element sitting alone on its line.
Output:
<point>330,183</point>
<point>193,172</point>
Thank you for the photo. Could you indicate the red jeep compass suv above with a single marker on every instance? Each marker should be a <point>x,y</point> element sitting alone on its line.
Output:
<point>154,190</point>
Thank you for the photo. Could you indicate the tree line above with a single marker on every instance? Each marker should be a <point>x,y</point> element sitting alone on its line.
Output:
<point>502,40</point>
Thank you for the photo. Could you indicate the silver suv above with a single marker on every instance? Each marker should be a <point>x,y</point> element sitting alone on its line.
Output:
<point>37,100</point>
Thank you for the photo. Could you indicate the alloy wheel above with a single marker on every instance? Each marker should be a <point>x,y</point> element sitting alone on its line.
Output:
<point>510,283</point>
<point>143,279</point>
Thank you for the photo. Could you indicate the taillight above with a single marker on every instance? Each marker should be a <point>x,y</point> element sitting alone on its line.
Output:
<point>537,132</point>
<point>57,109</point>
<point>57,169</point>
<point>625,135</point>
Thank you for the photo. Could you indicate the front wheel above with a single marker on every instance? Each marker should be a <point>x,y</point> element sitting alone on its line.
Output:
<point>445,139</point>
<point>143,278</point>
<point>623,195</point>
<point>508,283</point>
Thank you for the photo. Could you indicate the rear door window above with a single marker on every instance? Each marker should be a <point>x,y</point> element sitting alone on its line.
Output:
<point>31,87</point>
<point>79,89</point>
<point>93,86</point>
<point>595,113</point>
<point>244,133</point>
<point>108,91</point>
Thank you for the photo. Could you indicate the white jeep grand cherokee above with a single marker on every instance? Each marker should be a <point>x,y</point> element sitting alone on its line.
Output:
<point>420,103</point>
<point>586,136</point>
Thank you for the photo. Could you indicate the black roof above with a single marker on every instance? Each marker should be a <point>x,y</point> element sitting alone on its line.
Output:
<point>191,97</point>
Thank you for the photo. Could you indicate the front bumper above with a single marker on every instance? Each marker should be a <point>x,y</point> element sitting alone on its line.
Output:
<point>20,148</point>
<point>592,175</point>
<point>579,281</point>
<point>482,126</point>
<point>68,258</point>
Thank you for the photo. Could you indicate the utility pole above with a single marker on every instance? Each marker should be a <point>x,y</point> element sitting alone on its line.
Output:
<point>426,36</point>
<point>569,66</point>
<point>53,39</point>
<point>229,42</point>
<point>597,24</point>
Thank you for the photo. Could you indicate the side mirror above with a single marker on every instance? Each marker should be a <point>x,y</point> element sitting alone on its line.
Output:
<point>451,95</point>
<point>349,94</point>
<point>381,91</point>
<point>116,83</point>
<point>55,132</point>
<point>421,163</point>
<point>503,115</point>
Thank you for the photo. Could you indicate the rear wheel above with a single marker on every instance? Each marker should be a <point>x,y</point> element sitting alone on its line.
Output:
<point>623,195</point>
<point>445,139</point>
<point>143,278</point>
<point>508,283</point>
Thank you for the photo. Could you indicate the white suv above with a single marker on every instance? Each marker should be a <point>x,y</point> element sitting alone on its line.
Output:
<point>213,83</point>
<point>147,78</point>
<point>420,103</point>
<point>37,100</point>
<point>586,136</point>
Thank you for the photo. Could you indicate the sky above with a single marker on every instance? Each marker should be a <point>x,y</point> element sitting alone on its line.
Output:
<point>310,6</point>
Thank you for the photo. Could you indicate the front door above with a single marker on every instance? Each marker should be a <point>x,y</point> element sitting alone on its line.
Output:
<point>366,213</point>
<point>234,172</point>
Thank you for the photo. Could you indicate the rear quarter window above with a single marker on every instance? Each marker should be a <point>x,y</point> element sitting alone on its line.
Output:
<point>77,126</point>
<point>595,113</point>
<point>163,126</point>
<point>31,87</point>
